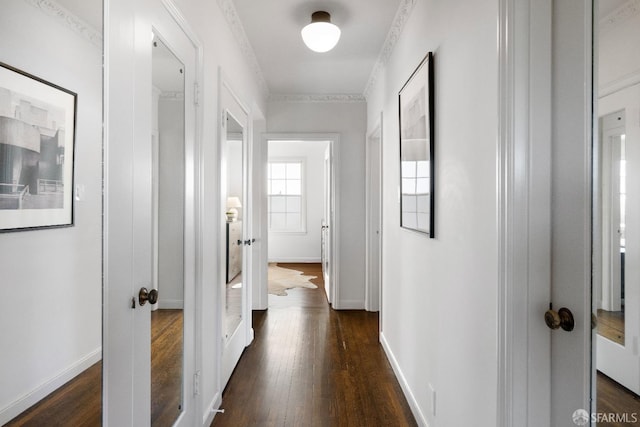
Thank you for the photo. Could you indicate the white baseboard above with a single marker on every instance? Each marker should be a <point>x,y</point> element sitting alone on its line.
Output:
<point>26,401</point>
<point>302,260</point>
<point>349,304</point>
<point>171,304</point>
<point>209,414</point>
<point>413,403</point>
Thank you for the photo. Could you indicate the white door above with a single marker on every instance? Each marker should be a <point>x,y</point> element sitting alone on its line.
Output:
<point>129,249</point>
<point>235,223</point>
<point>374,219</point>
<point>545,205</point>
<point>326,227</point>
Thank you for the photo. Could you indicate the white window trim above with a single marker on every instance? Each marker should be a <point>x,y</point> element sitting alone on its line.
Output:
<point>303,189</point>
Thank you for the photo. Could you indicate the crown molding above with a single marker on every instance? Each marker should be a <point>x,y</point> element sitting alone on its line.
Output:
<point>231,15</point>
<point>69,20</point>
<point>345,98</point>
<point>403,13</point>
<point>615,18</point>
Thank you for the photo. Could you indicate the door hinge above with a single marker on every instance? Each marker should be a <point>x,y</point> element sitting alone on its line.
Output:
<point>196,383</point>
<point>196,93</point>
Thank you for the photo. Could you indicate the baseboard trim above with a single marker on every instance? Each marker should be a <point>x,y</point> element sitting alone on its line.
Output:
<point>349,304</point>
<point>26,401</point>
<point>171,304</point>
<point>303,260</point>
<point>209,414</point>
<point>413,403</point>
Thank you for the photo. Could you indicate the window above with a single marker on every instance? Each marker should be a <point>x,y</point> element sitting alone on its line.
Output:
<point>286,198</point>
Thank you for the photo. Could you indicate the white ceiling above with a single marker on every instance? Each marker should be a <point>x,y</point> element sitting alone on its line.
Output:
<point>289,67</point>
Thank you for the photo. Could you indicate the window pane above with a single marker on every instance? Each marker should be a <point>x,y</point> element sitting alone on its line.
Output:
<point>294,204</point>
<point>294,171</point>
<point>409,220</point>
<point>294,187</point>
<point>278,221</point>
<point>423,169</point>
<point>408,186</point>
<point>423,204</point>
<point>422,186</point>
<point>278,204</point>
<point>293,221</point>
<point>423,221</point>
<point>278,170</point>
<point>409,204</point>
<point>408,169</point>
<point>278,186</point>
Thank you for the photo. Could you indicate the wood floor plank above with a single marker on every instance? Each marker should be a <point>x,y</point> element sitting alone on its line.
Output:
<point>310,365</point>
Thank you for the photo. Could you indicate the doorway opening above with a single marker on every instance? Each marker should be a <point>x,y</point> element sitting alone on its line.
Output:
<point>299,216</point>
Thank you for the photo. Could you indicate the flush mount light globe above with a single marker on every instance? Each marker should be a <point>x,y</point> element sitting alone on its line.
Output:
<point>320,35</point>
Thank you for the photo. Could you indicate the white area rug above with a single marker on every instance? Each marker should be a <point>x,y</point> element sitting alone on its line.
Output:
<point>281,279</point>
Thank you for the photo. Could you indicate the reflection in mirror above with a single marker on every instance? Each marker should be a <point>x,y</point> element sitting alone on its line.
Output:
<point>51,291</point>
<point>167,317</point>
<point>234,217</point>
<point>612,167</point>
<point>616,207</point>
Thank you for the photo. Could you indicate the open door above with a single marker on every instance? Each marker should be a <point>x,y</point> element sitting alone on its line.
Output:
<point>326,227</point>
<point>235,283</point>
<point>147,40</point>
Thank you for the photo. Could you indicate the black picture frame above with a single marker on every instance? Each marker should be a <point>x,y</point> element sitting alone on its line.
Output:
<point>37,152</point>
<point>417,149</point>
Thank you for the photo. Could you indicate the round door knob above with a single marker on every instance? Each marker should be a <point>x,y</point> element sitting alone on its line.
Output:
<point>145,295</point>
<point>563,318</point>
<point>552,319</point>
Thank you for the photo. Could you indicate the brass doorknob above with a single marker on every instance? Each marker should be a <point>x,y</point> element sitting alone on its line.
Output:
<point>151,296</point>
<point>563,318</point>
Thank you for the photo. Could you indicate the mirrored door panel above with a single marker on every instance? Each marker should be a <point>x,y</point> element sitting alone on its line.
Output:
<point>51,164</point>
<point>616,209</point>
<point>168,159</point>
<point>233,287</point>
<point>613,198</point>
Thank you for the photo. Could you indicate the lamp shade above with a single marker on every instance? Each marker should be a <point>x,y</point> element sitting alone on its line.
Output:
<point>233,202</point>
<point>320,35</point>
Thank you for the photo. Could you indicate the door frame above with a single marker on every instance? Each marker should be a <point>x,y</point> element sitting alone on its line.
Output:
<point>124,25</point>
<point>371,302</point>
<point>334,225</point>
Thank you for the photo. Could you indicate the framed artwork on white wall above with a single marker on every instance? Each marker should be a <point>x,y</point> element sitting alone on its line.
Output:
<point>37,137</point>
<point>417,161</point>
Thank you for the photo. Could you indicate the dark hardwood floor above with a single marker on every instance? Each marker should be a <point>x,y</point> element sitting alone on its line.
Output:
<point>312,366</point>
<point>78,403</point>
<point>615,399</point>
<point>308,366</point>
<point>611,325</point>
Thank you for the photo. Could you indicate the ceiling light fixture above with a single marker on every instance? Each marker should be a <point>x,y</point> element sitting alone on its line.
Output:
<point>321,35</point>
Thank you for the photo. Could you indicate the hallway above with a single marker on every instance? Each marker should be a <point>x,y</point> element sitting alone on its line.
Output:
<point>313,366</point>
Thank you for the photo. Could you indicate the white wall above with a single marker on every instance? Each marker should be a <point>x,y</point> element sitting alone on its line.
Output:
<point>348,119</point>
<point>440,295</point>
<point>302,247</point>
<point>50,291</point>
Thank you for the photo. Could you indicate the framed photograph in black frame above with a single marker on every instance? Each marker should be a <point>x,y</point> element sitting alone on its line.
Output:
<point>37,138</point>
<point>417,154</point>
